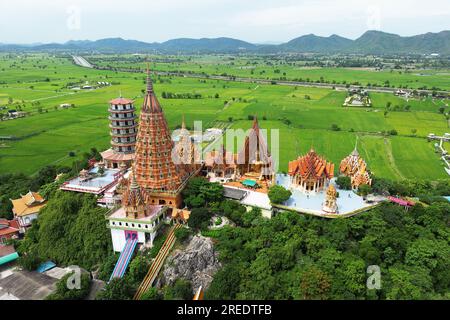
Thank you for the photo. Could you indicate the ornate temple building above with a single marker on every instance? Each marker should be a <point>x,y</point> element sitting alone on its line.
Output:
<point>159,173</point>
<point>26,209</point>
<point>136,217</point>
<point>123,133</point>
<point>311,172</point>
<point>220,165</point>
<point>155,169</point>
<point>355,167</point>
<point>330,205</point>
<point>185,152</point>
<point>254,159</point>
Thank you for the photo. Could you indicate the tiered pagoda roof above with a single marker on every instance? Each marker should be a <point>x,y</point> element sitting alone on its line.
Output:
<point>154,168</point>
<point>123,133</point>
<point>121,101</point>
<point>134,196</point>
<point>311,166</point>
<point>352,163</point>
<point>355,167</point>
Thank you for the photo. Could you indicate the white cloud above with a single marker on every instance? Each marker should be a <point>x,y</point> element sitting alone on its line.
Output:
<point>252,20</point>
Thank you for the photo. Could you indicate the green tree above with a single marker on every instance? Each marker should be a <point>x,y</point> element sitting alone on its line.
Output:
<point>225,284</point>
<point>116,289</point>
<point>314,285</point>
<point>199,219</point>
<point>70,230</point>
<point>180,290</point>
<point>344,182</point>
<point>64,293</point>
<point>278,194</point>
<point>138,268</point>
<point>152,294</point>
<point>364,190</point>
<point>182,234</point>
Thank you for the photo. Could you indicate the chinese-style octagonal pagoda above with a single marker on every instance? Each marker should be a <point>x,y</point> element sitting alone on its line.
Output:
<point>123,133</point>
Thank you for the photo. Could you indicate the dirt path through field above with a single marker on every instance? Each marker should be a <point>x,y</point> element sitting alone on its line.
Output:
<point>391,159</point>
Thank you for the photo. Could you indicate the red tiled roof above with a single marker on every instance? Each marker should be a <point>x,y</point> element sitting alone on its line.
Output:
<point>311,165</point>
<point>12,226</point>
<point>121,101</point>
<point>114,156</point>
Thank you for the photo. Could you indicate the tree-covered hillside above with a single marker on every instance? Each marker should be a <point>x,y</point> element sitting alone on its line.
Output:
<point>295,256</point>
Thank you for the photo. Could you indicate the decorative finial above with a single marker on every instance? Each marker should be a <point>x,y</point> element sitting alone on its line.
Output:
<point>133,183</point>
<point>183,124</point>
<point>355,151</point>
<point>149,80</point>
<point>255,126</point>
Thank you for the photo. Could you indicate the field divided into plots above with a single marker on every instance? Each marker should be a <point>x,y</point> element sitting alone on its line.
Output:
<point>304,117</point>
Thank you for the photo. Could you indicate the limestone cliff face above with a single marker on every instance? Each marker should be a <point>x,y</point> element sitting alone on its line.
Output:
<point>197,263</point>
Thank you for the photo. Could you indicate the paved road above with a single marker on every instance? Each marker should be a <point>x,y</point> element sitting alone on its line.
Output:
<point>82,62</point>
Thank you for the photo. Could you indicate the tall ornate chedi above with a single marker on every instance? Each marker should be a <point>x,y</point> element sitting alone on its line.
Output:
<point>154,167</point>
<point>123,133</point>
<point>330,204</point>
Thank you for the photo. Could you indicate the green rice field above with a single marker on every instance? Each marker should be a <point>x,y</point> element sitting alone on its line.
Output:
<point>39,83</point>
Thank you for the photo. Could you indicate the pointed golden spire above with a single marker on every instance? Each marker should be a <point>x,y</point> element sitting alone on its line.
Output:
<point>149,80</point>
<point>133,183</point>
<point>183,124</point>
<point>255,122</point>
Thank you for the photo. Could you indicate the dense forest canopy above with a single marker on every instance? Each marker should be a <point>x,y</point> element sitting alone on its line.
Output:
<point>71,229</point>
<point>296,256</point>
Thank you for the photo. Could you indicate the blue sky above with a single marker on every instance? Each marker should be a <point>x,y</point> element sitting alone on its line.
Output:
<point>258,21</point>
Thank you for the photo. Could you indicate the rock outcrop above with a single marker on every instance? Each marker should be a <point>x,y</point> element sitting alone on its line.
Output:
<point>197,263</point>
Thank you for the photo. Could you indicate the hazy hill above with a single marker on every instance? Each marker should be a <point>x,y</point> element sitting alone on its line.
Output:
<point>381,42</point>
<point>371,42</point>
<point>313,43</point>
<point>207,45</point>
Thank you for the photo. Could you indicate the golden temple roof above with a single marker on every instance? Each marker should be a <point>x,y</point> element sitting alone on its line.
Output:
<point>27,204</point>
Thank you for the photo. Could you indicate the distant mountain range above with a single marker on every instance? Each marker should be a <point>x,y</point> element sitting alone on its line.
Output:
<point>371,42</point>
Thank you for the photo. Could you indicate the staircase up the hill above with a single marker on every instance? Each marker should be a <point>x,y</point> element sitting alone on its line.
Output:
<point>157,263</point>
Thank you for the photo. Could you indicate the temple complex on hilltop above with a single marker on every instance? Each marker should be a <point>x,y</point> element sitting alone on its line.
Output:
<point>355,167</point>
<point>155,170</point>
<point>311,172</point>
<point>330,204</point>
<point>123,133</point>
